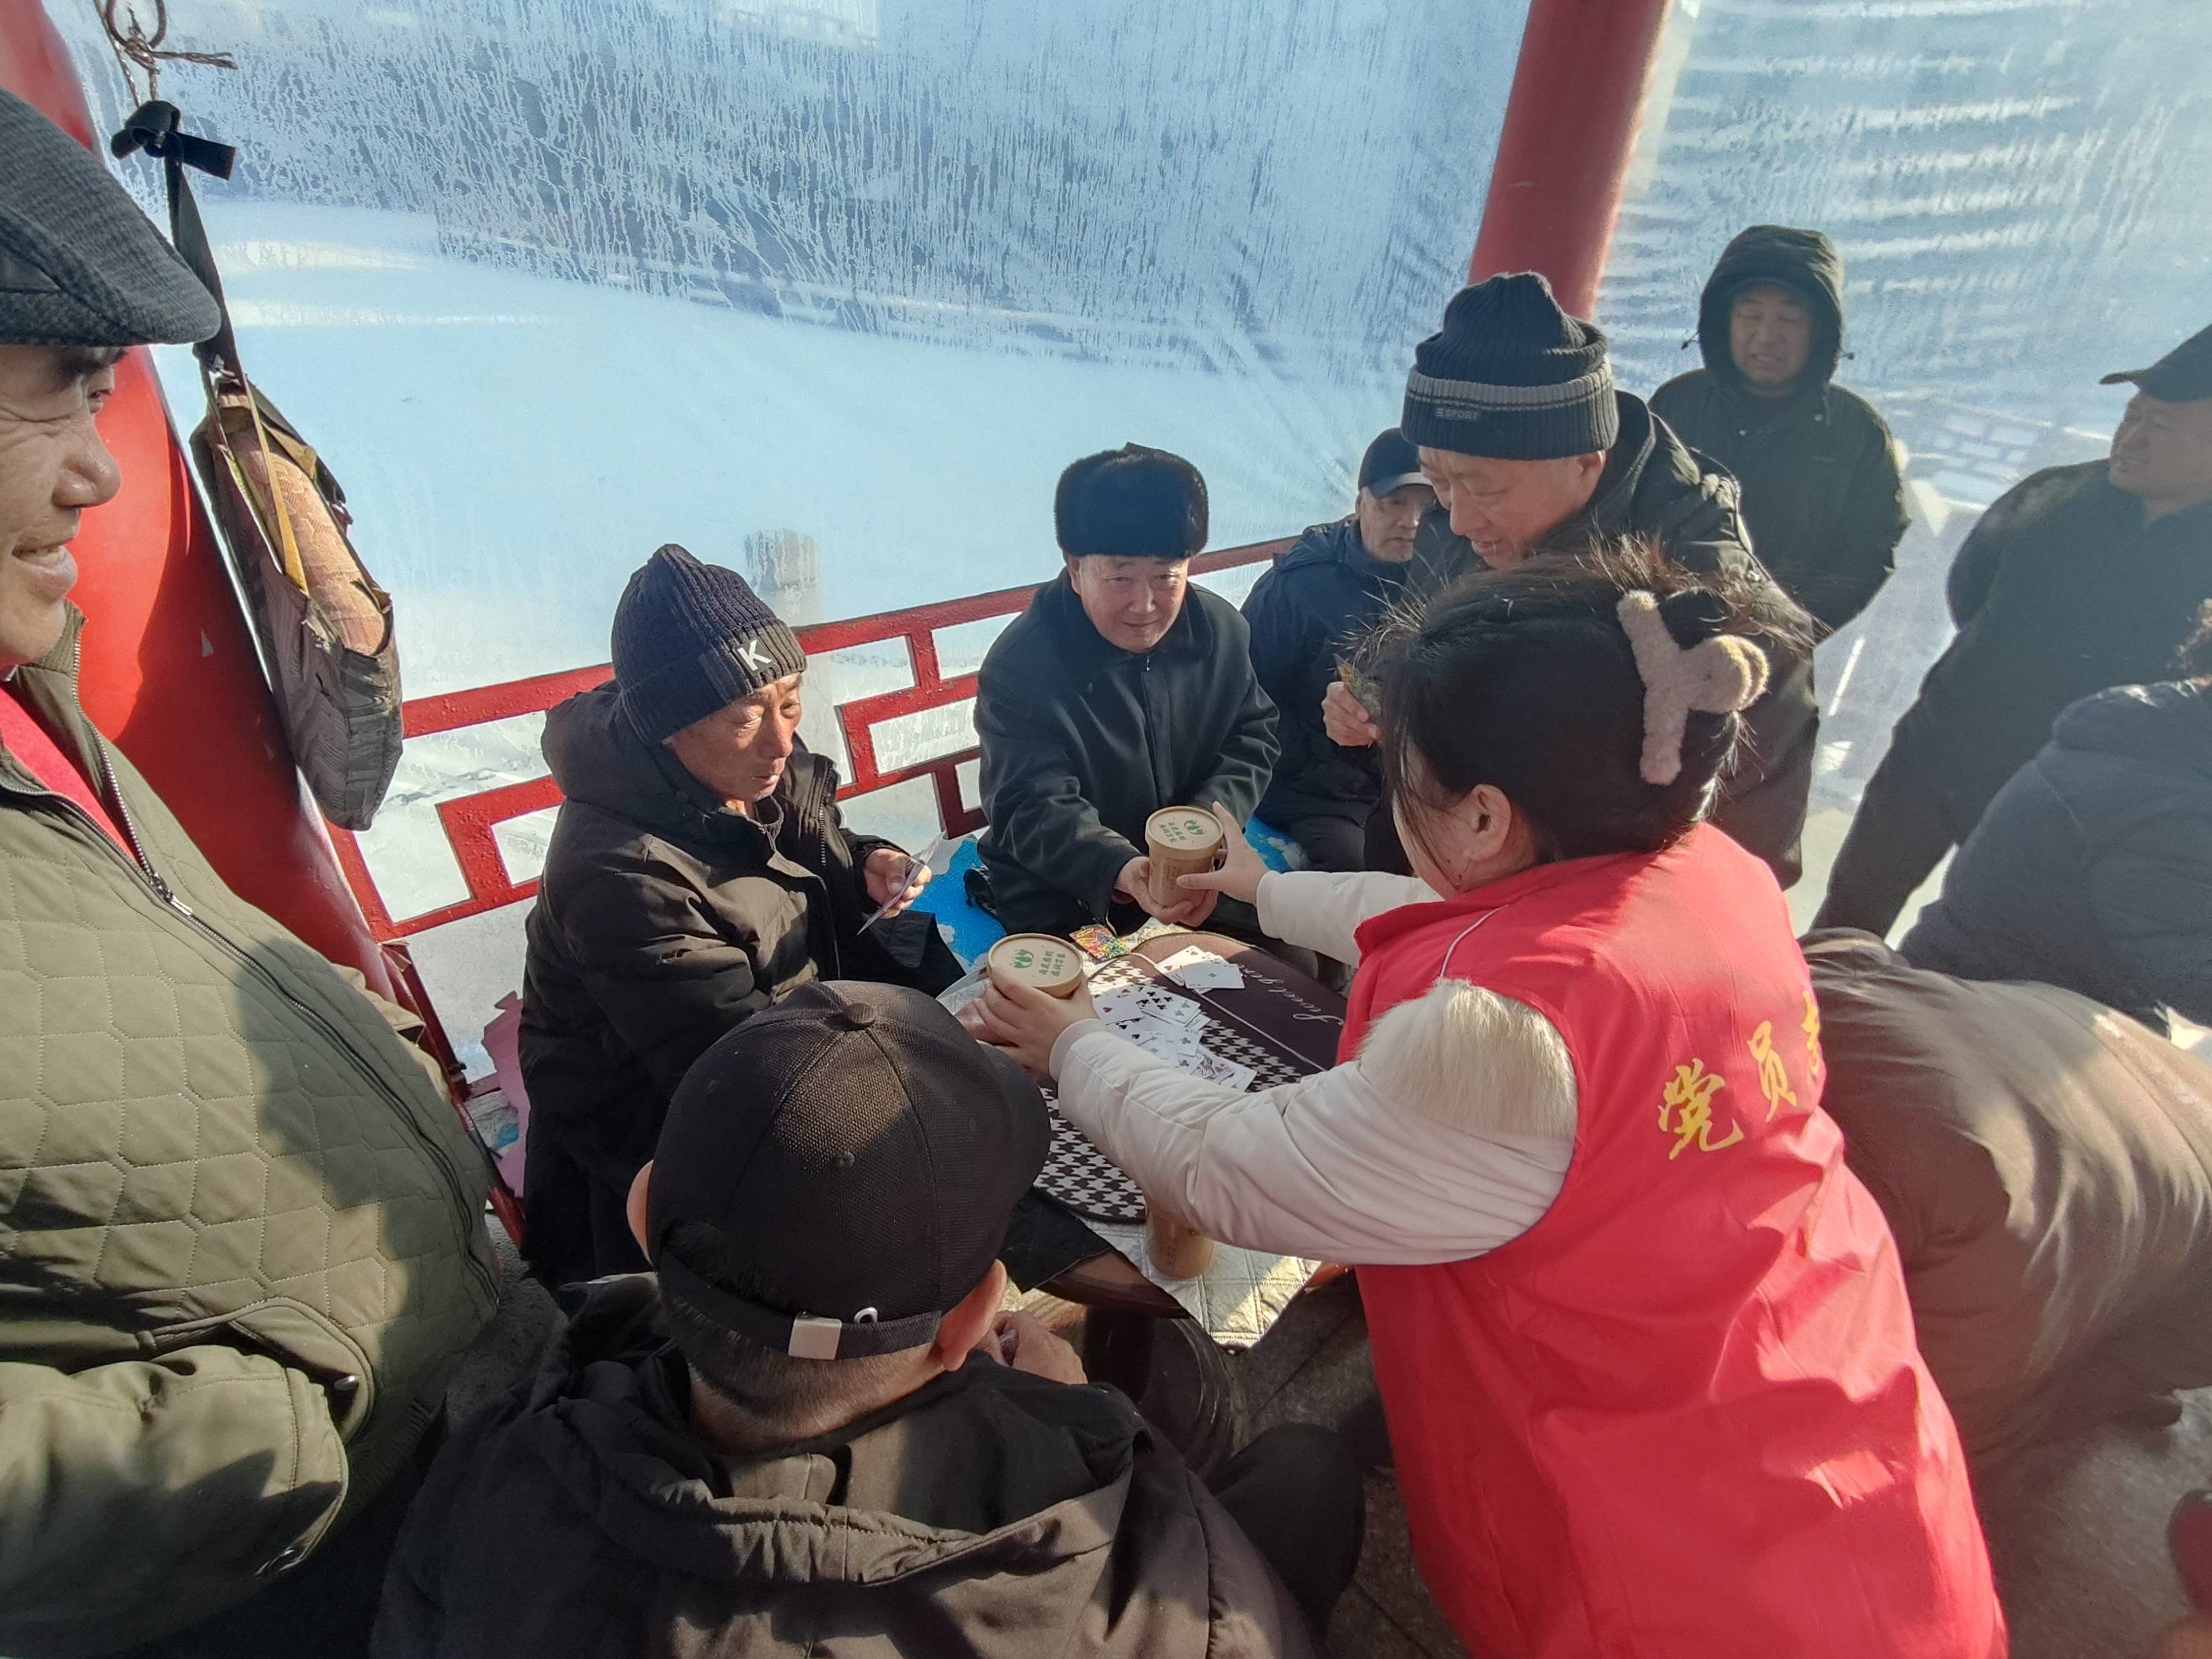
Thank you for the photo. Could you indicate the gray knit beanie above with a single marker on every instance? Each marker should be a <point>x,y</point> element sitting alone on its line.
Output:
<point>1512,377</point>
<point>690,638</point>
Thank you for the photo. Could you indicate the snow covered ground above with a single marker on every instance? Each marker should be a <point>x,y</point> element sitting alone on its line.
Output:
<point>514,445</point>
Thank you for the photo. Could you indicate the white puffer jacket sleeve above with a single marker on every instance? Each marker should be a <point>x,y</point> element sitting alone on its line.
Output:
<point>1321,911</point>
<point>1449,1135</point>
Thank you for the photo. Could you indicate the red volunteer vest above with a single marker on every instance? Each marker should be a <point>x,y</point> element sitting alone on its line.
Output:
<point>1684,1413</point>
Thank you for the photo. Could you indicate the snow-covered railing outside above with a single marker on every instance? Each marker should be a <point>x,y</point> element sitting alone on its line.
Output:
<point>469,821</point>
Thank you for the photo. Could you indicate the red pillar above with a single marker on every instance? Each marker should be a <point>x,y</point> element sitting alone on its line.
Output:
<point>1570,131</point>
<point>170,673</point>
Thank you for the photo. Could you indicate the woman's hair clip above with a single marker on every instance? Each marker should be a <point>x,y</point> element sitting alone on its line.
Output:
<point>1719,675</point>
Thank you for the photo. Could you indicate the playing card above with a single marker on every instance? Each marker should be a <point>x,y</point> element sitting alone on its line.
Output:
<point>1214,1069</point>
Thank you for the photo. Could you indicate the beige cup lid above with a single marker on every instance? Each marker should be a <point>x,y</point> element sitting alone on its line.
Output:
<point>1038,959</point>
<point>1184,828</point>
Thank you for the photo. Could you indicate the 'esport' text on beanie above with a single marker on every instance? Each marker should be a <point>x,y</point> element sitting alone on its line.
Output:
<point>1512,377</point>
<point>690,638</point>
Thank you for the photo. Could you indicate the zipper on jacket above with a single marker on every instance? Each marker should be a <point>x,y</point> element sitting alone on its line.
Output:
<point>143,866</point>
<point>813,824</point>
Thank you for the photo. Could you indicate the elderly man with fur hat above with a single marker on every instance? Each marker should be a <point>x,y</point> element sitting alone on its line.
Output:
<point>243,1230</point>
<point>699,873</point>
<point>1122,690</point>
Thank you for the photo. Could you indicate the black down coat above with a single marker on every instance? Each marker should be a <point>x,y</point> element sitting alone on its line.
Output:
<point>664,919</point>
<point>990,1514</point>
<point>1083,741</point>
<point>1308,611</point>
<point>1655,485</point>
<point>2092,868</point>
<point>1821,493</point>
<point>2062,588</point>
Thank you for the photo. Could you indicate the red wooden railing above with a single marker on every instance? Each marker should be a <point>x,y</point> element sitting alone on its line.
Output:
<point>469,821</point>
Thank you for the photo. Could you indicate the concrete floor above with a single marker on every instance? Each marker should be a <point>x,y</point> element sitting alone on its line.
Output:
<point>2078,1531</point>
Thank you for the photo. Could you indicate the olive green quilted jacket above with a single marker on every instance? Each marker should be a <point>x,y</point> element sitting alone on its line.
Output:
<point>241,1241</point>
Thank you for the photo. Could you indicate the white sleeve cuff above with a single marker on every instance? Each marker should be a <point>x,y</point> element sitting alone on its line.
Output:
<point>1067,1040</point>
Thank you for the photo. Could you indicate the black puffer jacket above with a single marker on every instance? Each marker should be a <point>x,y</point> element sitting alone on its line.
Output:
<point>1821,492</point>
<point>2063,588</point>
<point>1655,485</point>
<point>1306,612</point>
<point>993,1515</point>
<point>2092,868</point>
<point>1083,741</point>
<point>664,919</point>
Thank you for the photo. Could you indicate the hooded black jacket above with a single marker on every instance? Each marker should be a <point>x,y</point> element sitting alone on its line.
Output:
<point>662,919</point>
<point>1083,741</point>
<point>992,1514</point>
<point>1821,493</point>
<point>1655,485</point>
<point>1309,610</point>
<point>2092,868</point>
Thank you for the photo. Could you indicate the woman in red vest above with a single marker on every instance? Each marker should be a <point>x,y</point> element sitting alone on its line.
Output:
<point>1641,1338</point>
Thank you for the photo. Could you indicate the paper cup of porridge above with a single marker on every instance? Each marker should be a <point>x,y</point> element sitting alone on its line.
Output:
<point>1044,961</point>
<point>1182,841</point>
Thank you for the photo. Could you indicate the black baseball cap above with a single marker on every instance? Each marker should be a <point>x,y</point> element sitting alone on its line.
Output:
<point>858,1153</point>
<point>1389,463</point>
<point>2182,376</point>
<point>80,265</point>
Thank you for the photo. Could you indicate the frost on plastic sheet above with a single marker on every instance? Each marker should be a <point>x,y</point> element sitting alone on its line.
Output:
<point>554,283</point>
<point>2017,187</point>
<point>830,291</point>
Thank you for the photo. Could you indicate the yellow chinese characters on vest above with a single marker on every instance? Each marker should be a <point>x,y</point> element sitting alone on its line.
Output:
<point>1686,1105</point>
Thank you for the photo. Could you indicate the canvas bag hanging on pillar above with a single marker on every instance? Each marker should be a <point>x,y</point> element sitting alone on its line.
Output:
<point>323,625</point>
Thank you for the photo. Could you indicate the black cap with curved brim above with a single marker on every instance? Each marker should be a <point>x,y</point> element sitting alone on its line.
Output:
<point>854,1152</point>
<point>2182,376</point>
<point>80,265</point>
<point>1389,463</point>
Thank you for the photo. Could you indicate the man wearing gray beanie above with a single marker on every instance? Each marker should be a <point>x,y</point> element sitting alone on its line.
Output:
<point>245,1226</point>
<point>699,873</point>
<point>1534,451</point>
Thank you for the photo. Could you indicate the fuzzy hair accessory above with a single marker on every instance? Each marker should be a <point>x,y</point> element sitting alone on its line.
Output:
<point>1722,675</point>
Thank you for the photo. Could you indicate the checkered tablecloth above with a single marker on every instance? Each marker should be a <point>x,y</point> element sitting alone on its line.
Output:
<point>1245,1292</point>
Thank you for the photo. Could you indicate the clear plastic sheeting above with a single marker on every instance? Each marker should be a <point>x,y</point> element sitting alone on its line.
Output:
<point>827,290</point>
<point>553,283</point>
<point>2018,190</point>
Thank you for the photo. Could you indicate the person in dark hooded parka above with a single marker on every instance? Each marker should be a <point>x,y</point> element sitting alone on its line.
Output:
<point>2092,867</point>
<point>1818,468</point>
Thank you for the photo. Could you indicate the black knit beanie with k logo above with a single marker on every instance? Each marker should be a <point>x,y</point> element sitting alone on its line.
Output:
<point>690,638</point>
<point>1512,377</point>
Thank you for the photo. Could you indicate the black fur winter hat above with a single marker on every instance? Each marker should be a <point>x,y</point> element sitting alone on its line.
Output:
<point>1131,502</point>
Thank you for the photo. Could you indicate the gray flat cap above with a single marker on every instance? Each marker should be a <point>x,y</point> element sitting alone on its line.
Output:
<point>79,264</point>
